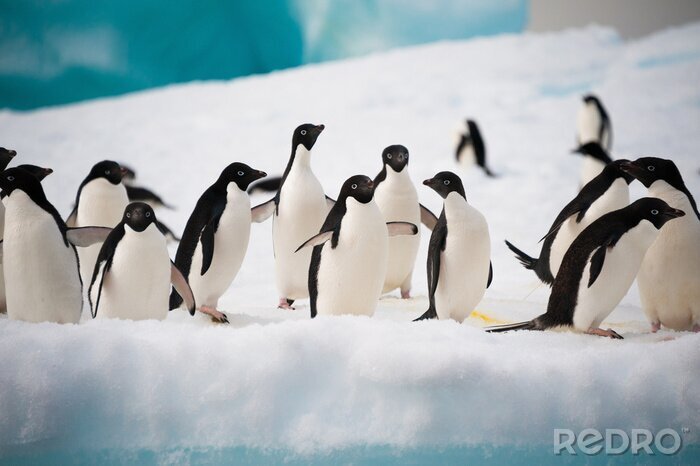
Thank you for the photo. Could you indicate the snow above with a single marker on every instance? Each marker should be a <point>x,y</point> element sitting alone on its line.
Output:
<point>275,379</point>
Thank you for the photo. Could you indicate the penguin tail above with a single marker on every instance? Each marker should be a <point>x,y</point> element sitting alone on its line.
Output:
<point>429,314</point>
<point>529,325</point>
<point>527,261</point>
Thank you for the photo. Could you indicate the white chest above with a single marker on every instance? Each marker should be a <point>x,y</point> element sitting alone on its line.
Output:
<point>101,204</point>
<point>588,123</point>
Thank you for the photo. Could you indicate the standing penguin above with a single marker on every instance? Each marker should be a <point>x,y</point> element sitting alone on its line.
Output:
<point>215,239</point>
<point>593,123</point>
<point>459,254</point>
<point>299,207</point>
<point>669,280</point>
<point>471,148</point>
<point>606,192</point>
<point>133,272</point>
<point>6,156</point>
<point>397,198</point>
<point>595,158</point>
<point>599,268</point>
<point>39,258</point>
<point>100,201</point>
<point>349,259</point>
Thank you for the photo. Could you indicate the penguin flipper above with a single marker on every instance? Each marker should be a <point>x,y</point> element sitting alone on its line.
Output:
<point>401,228</point>
<point>182,287</point>
<point>166,231</point>
<point>70,221</point>
<point>427,218</point>
<point>529,325</point>
<point>87,236</point>
<point>262,212</point>
<point>330,202</point>
<point>317,239</point>
<point>597,261</point>
<point>528,262</point>
<point>271,185</point>
<point>207,237</point>
<point>100,269</point>
<point>490,279</point>
<point>437,244</point>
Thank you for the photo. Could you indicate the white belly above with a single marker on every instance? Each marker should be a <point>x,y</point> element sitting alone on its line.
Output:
<point>230,246</point>
<point>464,264</point>
<point>101,204</point>
<point>616,197</point>
<point>467,156</point>
<point>137,285</point>
<point>588,124</point>
<point>3,302</point>
<point>302,211</point>
<point>350,277</point>
<point>41,272</point>
<point>669,280</point>
<point>620,268</point>
<point>397,199</point>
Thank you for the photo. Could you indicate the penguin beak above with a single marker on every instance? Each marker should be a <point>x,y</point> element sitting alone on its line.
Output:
<point>47,171</point>
<point>319,128</point>
<point>123,171</point>
<point>260,174</point>
<point>576,151</point>
<point>428,182</point>
<point>11,153</point>
<point>630,167</point>
<point>674,213</point>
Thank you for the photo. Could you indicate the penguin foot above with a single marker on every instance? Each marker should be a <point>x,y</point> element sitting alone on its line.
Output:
<point>605,333</point>
<point>655,326</point>
<point>285,304</point>
<point>696,328</point>
<point>405,294</point>
<point>216,315</point>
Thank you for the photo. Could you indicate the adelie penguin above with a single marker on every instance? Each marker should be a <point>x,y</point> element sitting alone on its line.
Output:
<point>298,210</point>
<point>349,258</point>
<point>133,273</point>
<point>6,156</point>
<point>669,280</point>
<point>595,159</point>
<point>42,280</point>
<point>470,148</point>
<point>397,198</point>
<point>216,237</point>
<point>593,123</point>
<point>599,268</point>
<point>459,255</point>
<point>606,192</point>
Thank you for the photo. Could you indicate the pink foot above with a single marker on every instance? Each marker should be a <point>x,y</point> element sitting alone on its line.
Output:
<point>655,327</point>
<point>285,304</point>
<point>216,315</point>
<point>604,333</point>
<point>406,294</point>
<point>696,328</point>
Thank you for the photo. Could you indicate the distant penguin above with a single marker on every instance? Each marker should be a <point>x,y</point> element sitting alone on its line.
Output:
<point>397,198</point>
<point>349,259</point>
<point>216,237</point>
<point>299,207</point>
<point>133,272</point>
<point>595,158</point>
<point>599,268</point>
<point>459,255</point>
<point>100,201</point>
<point>669,280</point>
<point>42,281</point>
<point>470,147</point>
<point>139,193</point>
<point>606,192</point>
<point>593,123</point>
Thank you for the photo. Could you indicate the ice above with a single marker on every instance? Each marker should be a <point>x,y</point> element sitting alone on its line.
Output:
<point>277,380</point>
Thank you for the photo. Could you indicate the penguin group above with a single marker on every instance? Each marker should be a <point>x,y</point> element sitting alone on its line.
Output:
<point>343,254</point>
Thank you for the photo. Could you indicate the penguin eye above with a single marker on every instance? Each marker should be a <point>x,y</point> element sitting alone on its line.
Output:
<point>128,215</point>
<point>303,132</point>
<point>388,156</point>
<point>10,178</point>
<point>654,212</point>
<point>446,182</point>
<point>148,214</point>
<point>354,186</point>
<point>240,173</point>
<point>651,168</point>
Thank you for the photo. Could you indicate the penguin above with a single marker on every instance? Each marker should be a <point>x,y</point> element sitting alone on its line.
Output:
<point>268,185</point>
<point>606,192</point>
<point>39,172</point>
<point>100,201</point>
<point>595,158</point>
<point>669,279</point>
<point>397,198</point>
<point>6,156</point>
<point>42,280</point>
<point>470,147</point>
<point>215,239</point>
<point>599,268</point>
<point>139,193</point>
<point>349,254</point>
<point>133,273</point>
<point>459,255</point>
<point>298,210</point>
<point>593,123</point>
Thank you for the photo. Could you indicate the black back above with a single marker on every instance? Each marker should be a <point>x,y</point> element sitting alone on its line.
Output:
<point>396,157</point>
<point>604,118</point>
<point>6,156</point>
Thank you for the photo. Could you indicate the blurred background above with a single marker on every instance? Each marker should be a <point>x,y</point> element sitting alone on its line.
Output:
<point>60,51</point>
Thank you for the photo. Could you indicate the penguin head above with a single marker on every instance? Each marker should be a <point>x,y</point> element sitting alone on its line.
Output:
<point>595,150</point>
<point>396,157</point>
<point>616,171</point>
<point>6,155</point>
<point>650,169</point>
<point>16,178</point>
<point>655,210</point>
<point>138,215</point>
<point>128,173</point>
<point>39,172</point>
<point>359,187</point>
<point>591,99</point>
<point>444,183</point>
<point>306,134</point>
<point>241,174</point>
<point>107,169</point>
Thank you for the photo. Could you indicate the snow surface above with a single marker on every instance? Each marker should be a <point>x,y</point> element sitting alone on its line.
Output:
<point>276,379</point>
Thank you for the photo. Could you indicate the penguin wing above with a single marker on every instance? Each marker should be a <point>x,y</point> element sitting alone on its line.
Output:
<point>182,287</point>
<point>208,232</point>
<point>437,245</point>
<point>319,239</point>
<point>578,206</point>
<point>490,279</point>
<point>103,263</point>
<point>271,184</point>
<point>262,212</point>
<point>401,228</point>
<point>167,232</point>
<point>427,218</point>
<point>464,141</point>
<point>87,236</point>
<point>598,257</point>
<point>70,221</point>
